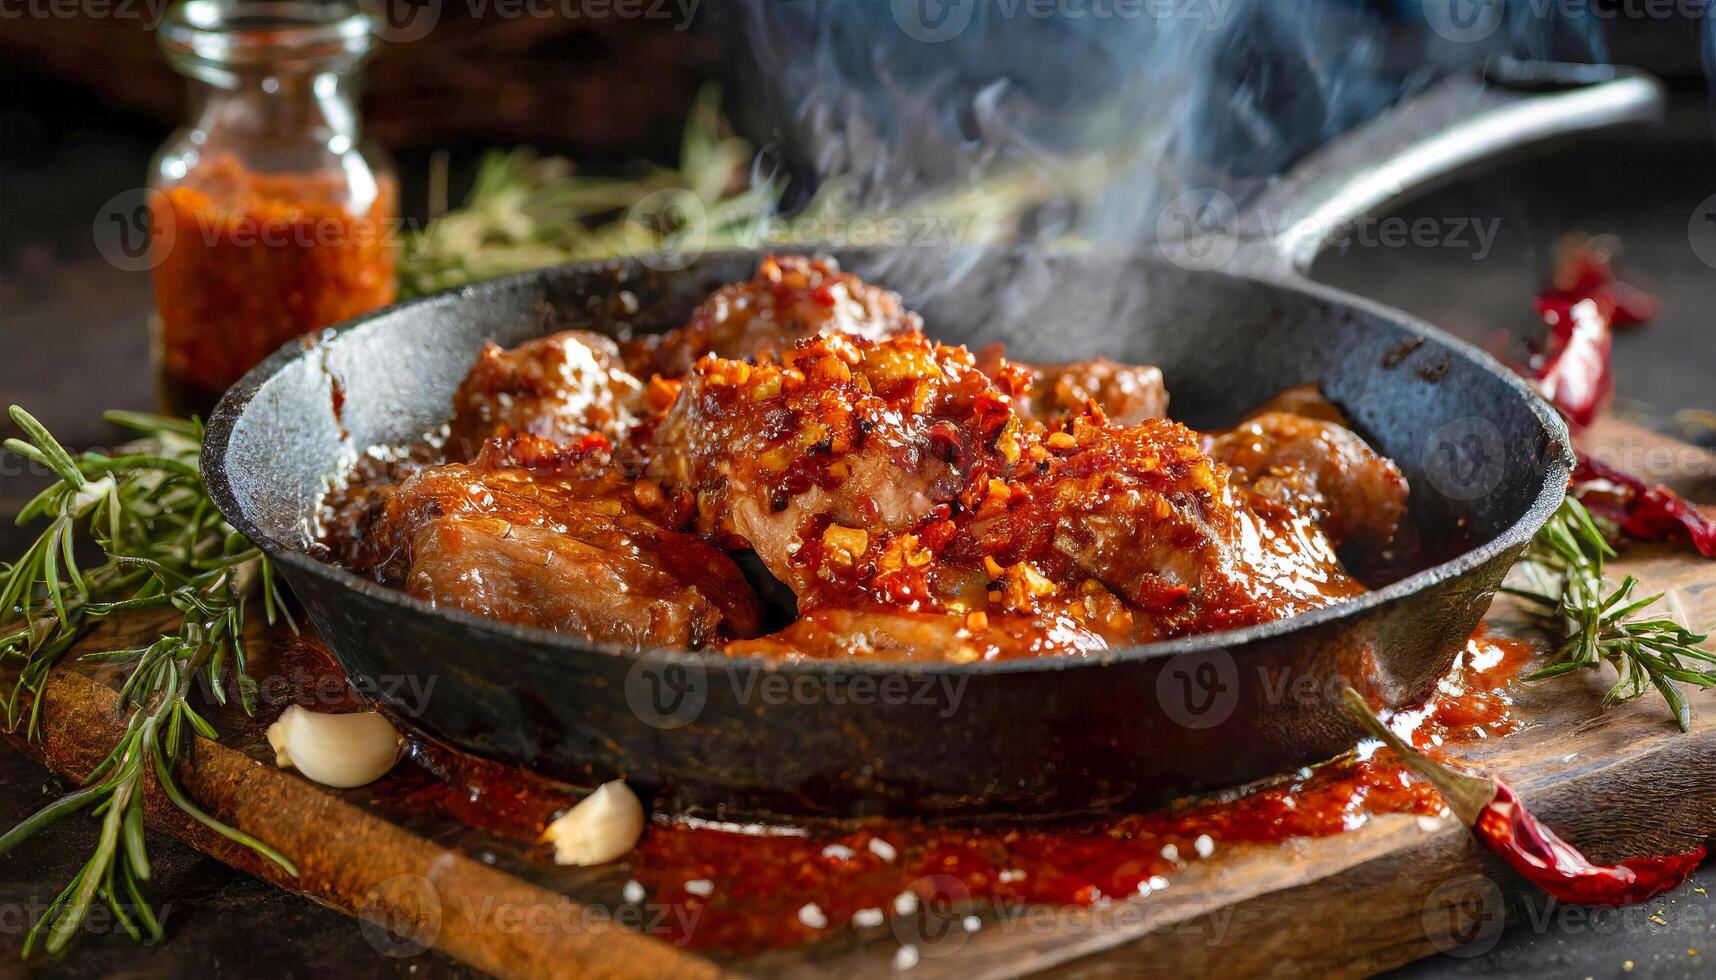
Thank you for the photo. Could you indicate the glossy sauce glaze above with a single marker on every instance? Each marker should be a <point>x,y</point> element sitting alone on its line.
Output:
<point>1475,699</point>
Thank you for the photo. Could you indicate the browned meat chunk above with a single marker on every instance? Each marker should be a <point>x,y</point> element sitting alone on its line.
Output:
<point>1143,513</point>
<point>1127,394</point>
<point>791,298</point>
<point>866,437</point>
<point>1317,469</point>
<point>561,388</point>
<point>567,554</point>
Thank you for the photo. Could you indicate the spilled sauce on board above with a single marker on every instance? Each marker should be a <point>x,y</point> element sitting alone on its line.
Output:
<point>747,888</point>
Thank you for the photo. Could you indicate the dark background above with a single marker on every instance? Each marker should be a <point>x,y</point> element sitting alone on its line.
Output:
<point>83,106</point>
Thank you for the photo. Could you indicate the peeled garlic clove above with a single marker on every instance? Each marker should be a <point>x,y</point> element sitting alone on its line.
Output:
<point>334,750</point>
<point>603,827</point>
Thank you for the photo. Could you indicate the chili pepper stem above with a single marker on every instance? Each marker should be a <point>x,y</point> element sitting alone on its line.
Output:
<point>1465,794</point>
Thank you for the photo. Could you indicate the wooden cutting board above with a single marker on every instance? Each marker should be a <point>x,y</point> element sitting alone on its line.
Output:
<point>1618,784</point>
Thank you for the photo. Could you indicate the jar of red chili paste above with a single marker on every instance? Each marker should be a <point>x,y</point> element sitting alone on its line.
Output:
<point>272,218</point>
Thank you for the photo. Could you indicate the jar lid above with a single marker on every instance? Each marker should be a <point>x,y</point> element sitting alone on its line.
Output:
<point>215,39</point>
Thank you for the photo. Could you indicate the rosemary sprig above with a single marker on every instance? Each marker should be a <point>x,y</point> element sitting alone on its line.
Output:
<point>1565,586</point>
<point>528,212</point>
<point>166,549</point>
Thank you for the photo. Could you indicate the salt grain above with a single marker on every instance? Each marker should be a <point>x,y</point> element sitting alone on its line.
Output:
<point>882,849</point>
<point>866,918</point>
<point>633,893</point>
<point>1204,845</point>
<point>812,917</point>
<point>905,958</point>
<point>701,886</point>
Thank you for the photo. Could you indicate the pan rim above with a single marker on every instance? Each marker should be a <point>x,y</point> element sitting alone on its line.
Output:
<point>540,642</point>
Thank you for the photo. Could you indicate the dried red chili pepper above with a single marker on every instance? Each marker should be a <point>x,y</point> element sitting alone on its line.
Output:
<point>1499,820</point>
<point>1582,306</point>
<point>1642,511</point>
<point>1585,269</point>
<point>1506,827</point>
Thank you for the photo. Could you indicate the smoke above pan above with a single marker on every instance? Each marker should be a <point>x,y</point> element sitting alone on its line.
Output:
<point>1121,105</point>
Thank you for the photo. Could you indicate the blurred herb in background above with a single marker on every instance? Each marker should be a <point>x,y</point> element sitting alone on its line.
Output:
<point>527,212</point>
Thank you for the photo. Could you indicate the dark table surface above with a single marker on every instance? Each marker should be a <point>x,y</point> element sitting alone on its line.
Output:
<point>73,341</point>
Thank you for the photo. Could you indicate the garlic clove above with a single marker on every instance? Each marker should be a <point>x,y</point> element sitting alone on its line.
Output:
<point>603,827</point>
<point>342,751</point>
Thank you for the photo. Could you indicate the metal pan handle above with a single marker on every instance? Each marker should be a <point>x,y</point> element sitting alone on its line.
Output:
<point>1464,120</point>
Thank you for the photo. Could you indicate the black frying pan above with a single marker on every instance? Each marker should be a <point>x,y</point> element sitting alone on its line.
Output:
<point>1230,320</point>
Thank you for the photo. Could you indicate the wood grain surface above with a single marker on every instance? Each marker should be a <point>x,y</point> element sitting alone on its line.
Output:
<point>1617,783</point>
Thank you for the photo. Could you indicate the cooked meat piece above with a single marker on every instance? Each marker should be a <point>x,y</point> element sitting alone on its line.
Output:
<point>1143,513</point>
<point>868,437</point>
<point>568,554</point>
<point>562,388</point>
<point>1127,394</point>
<point>896,475</point>
<point>1317,469</point>
<point>1287,558</point>
<point>1050,394</point>
<point>536,576</point>
<point>1305,400</point>
<point>791,298</point>
<point>1140,510</point>
<point>921,503</point>
<point>826,634</point>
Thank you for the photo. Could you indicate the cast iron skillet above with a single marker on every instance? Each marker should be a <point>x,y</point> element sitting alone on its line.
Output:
<point>1229,318</point>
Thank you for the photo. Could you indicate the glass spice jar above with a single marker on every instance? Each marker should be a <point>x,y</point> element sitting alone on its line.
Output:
<point>272,217</point>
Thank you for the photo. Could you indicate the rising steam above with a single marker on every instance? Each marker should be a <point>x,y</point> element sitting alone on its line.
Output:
<point>900,99</point>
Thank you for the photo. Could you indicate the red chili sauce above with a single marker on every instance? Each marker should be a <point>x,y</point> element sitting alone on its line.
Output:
<point>758,883</point>
<point>746,889</point>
